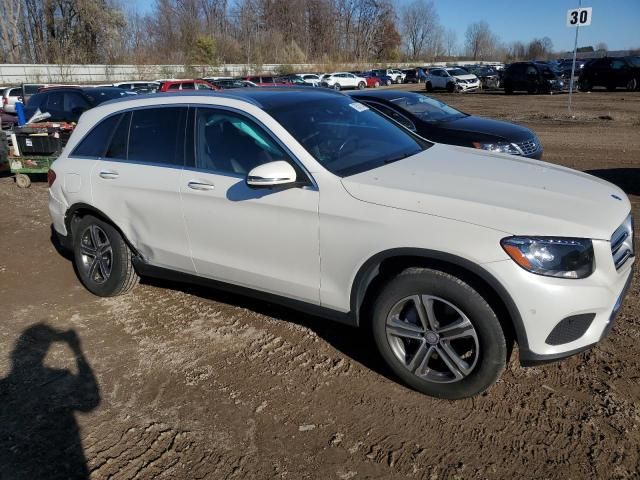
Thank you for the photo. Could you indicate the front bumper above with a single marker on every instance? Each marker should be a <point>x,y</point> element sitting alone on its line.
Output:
<point>544,302</point>
<point>467,87</point>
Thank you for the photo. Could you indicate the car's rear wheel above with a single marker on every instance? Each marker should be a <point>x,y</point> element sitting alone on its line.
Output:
<point>451,87</point>
<point>102,258</point>
<point>508,88</point>
<point>632,84</point>
<point>428,87</point>
<point>337,87</point>
<point>438,334</point>
<point>361,85</point>
<point>388,82</point>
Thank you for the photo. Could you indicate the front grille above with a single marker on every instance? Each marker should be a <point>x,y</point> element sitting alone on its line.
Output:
<point>622,243</point>
<point>528,146</point>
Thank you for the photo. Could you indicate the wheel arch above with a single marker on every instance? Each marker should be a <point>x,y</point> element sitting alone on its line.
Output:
<point>383,266</point>
<point>79,210</point>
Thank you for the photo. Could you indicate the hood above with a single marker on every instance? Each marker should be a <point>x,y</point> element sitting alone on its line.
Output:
<point>484,127</point>
<point>511,194</point>
<point>468,76</point>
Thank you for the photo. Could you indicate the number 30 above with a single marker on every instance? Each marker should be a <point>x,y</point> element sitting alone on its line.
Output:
<point>574,17</point>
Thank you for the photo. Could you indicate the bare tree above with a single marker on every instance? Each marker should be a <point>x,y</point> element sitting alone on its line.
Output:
<point>480,40</point>
<point>451,42</point>
<point>419,22</point>
<point>601,47</point>
<point>539,48</point>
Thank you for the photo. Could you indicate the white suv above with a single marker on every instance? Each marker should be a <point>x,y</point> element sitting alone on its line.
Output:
<point>343,80</point>
<point>451,79</point>
<point>309,198</point>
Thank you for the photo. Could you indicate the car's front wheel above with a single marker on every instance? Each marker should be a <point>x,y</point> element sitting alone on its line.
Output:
<point>361,85</point>
<point>102,258</point>
<point>438,334</point>
<point>632,84</point>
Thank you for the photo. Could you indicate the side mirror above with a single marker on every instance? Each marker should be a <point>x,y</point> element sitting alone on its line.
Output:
<point>272,174</point>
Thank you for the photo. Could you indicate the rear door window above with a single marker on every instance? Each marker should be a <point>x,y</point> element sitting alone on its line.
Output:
<point>95,143</point>
<point>55,101</point>
<point>157,135</point>
<point>188,86</point>
<point>73,100</point>
<point>174,86</point>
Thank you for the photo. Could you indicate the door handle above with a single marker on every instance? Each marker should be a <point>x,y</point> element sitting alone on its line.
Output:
<point>194,185</point>
<point>109,174</point>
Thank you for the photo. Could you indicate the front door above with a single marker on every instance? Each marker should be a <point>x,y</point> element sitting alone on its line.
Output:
<point>266,239</point>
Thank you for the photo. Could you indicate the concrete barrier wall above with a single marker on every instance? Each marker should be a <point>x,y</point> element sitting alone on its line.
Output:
<point>11,74</point>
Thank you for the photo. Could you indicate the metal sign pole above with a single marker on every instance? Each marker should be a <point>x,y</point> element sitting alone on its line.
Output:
<point>573,65</point>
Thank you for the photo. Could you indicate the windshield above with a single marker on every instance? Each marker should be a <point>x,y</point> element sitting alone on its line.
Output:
<point>345,136</point>
<point>457,71</point>
<point>428,109</point>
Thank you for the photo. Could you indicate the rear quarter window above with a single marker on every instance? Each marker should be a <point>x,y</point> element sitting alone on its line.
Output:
<point>95,142</point>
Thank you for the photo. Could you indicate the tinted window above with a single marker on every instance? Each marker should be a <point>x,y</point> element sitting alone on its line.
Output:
<point>346,136</point>
<point>15,92</point>
<point>55,101</point>
<point>118,145</point>
<point>427,109</point>
<point>99,95</point>
<point>155,136</point>
<point>95,143</point>
<point>458,71</point>
<point>230,143</point>
<point>174,86</point>
<point>617,64</point>
<point>73,101</point>
<point>391,113</point>
<point>267,79</point>
<point>188,86</point>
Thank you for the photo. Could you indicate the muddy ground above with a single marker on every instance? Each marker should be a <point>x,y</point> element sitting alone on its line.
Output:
<point>177,382</point>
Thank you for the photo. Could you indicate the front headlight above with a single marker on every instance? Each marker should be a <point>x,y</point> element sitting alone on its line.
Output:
<point>550,256</point>
<point>501,147</point>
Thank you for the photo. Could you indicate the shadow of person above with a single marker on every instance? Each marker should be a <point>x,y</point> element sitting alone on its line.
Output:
<point>39,435</point>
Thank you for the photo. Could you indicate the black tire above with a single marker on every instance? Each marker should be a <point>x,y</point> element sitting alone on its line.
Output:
<point>337,87</point>
<point>632,84</point>
<point>121,277</point>
<point>451,87</point>
<point>585,86</point>
<point>388,82</point>
<point>490,358</point>
<point>428,87</point>
<point>361,86</point>
<point>508,88</point>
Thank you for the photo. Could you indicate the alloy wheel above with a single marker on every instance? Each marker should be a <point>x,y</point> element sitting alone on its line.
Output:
<point>432,338</point>
<point>97,254</point>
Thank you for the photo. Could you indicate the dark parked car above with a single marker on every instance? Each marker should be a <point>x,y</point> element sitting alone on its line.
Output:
<point>415,75</point>
<point>489,77</point>
<point>227,83</point>
<point>437,121</point>
<point>66,104</point>
<point>611,73</point>
<point>532,77</point>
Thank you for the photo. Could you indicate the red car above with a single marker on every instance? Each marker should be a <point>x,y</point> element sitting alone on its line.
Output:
<point>372,80</point>
<point>178,85</point>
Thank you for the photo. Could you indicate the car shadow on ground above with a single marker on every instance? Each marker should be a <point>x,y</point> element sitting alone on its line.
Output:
<point>356,343</point>
<point>39,434</point>
<point>628,179</point>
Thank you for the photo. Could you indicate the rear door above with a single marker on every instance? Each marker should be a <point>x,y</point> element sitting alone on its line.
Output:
<point>136,183</point>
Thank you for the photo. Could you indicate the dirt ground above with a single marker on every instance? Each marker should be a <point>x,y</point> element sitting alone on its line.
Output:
<point>178,382</point>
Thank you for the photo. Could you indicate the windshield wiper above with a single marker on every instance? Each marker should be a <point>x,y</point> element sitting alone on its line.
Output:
<point>399,157</point>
